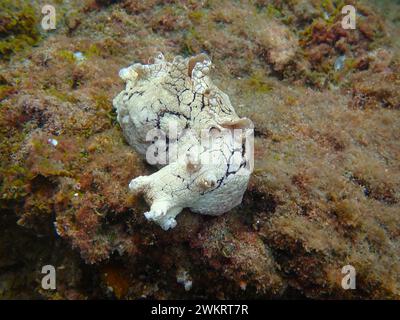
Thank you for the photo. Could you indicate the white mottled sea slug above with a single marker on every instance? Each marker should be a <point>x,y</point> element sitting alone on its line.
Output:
<point>173,115</point>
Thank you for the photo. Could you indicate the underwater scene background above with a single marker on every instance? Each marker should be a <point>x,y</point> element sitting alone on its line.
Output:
<point>325,191</point>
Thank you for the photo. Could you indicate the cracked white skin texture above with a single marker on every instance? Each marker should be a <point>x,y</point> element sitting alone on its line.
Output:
<point>208,178</point>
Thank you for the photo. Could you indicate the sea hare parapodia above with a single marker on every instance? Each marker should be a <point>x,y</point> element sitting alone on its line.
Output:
<point>206,178</point>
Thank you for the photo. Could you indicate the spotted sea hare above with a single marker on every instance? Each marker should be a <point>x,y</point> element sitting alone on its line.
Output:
<point>173,114</point>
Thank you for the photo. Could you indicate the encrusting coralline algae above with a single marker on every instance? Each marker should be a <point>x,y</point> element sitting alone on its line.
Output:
<point>174,108</point>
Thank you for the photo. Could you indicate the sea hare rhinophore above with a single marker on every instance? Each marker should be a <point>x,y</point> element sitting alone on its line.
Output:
<point>173,114</point>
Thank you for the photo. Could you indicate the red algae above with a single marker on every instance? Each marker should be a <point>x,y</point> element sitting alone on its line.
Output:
<point>325,191</point>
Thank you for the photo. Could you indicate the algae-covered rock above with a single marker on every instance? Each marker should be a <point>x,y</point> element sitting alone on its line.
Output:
<point>19,26</point>
<point>324,193</point>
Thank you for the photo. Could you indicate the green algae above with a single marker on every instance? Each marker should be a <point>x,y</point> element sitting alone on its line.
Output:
<point>66,55</point>
<point>62,95</point>
<point>5,91</point>
<point>93,51</point>
<point>258,83</point>
<point>18,27</point>
<point>196,16</point>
